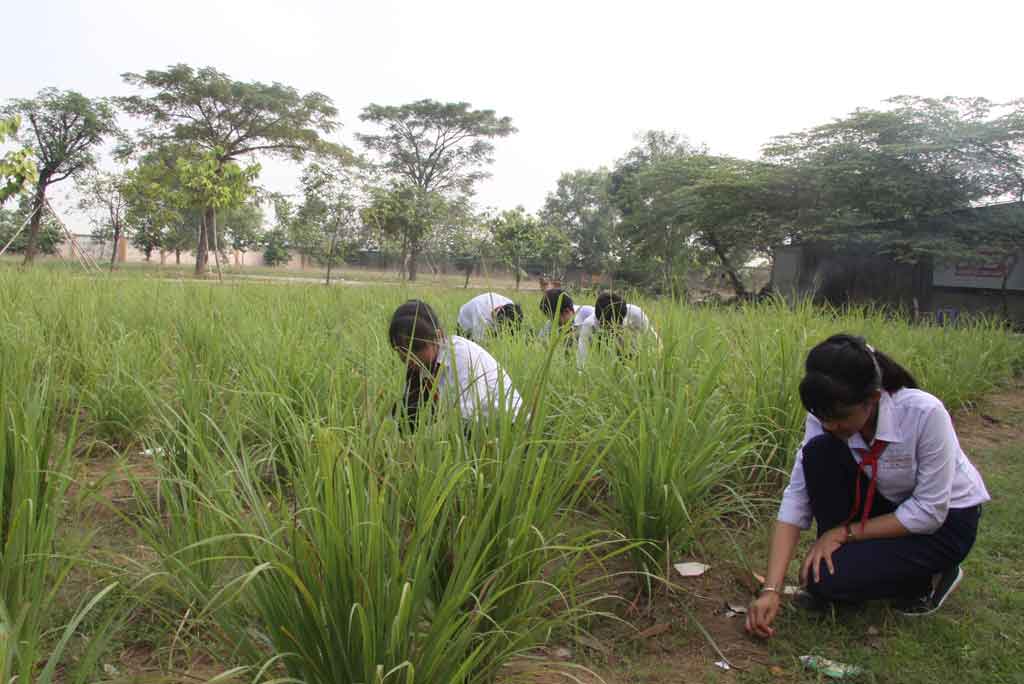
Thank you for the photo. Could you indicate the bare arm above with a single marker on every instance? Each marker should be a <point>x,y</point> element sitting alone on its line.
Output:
<point>765,607</point>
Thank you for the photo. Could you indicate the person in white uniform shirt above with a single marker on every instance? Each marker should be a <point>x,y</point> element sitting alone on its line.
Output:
<point>881,473</point>
<point>487,312</point>
<point>557,305</point>
<point>452,370</point>
<point>613,318</point>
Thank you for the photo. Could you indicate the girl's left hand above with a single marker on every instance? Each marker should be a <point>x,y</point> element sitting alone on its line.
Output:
<point>822,550</point>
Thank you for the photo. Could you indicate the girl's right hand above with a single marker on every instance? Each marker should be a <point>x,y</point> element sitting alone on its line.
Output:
<point>761,614</point>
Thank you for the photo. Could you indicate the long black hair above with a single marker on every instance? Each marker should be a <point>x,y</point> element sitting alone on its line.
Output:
<point>413,326</point>
<point>508,317</point>
<point>610,308</point>
<point>844,371</point>
<point>554,302</point>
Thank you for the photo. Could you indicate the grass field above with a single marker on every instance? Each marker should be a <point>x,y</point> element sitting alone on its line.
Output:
<point>226,492</point>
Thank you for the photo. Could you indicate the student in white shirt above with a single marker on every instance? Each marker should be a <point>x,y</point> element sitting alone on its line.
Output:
<point>450,370</point>
<point>613,318</point>
<point>895,500</point>
<point>489,311</point>
<point>582,313</point>
<point>557,305</point>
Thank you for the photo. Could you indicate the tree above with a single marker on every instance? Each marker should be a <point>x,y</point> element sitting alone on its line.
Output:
<point>208,181</point>
<point>404,213</point>
<point>434,151</point>
<point>229,120</point>
<point>243,227</point>
<point>328,213</point>
<point>105,196</point>
<point>516,236</point>
<point>17,170</point>
<point>553,250</point>
<point>725,210</point>
<point>902,181</point>
<point>581,208</point>
<point>158,205</point>
<point>920,157</point>
<point>276,242</point>
<point>51,235</point>
<point>65,128</point>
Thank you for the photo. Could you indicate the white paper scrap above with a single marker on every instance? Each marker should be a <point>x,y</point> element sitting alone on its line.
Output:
<point>691,569</point>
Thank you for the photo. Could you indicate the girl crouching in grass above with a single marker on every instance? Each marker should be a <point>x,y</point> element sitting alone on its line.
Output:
<point>449,370</point>
<point>881,473</point>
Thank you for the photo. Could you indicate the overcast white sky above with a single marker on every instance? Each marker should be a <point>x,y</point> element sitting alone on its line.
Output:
<point>579,79</point>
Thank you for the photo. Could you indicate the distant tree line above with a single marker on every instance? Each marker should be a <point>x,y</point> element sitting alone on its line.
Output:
<point>188,182</point>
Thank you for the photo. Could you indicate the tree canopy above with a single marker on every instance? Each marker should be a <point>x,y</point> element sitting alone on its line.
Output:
<point>64,128</point>
<point>432,151</point>
<point>228,120</point>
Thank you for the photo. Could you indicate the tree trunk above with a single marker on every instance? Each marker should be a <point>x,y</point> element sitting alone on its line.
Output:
<point>1010,264</point>
<point>730,271</point>
<point>412,256</point>
<point>32,243</point>
<point>212,227</point>
<point>469,272</point>
<point>177,257</point>
<point>203,243</point>
<point>117,245</point>
<point>330,256</point>
<point>518,271</point>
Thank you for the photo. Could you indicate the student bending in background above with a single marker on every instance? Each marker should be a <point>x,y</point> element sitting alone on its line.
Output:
<point>488,312</point>
<point>449,370</point>
<point>613,319</point>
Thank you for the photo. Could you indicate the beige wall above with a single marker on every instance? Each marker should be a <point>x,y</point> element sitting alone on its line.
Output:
<point>130,254</point>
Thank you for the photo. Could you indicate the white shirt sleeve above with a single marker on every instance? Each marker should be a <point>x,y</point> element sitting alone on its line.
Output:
<point>937,451</point>
<point>586,329</point>
<point>795,508</point>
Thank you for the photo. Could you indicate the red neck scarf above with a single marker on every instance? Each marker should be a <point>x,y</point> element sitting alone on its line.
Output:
<point>867,458</point>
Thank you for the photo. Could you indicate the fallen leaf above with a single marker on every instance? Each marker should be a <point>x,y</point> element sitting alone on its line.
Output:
<point>653,631</point>
<point>722,664</point>
<point>777,671</point>
<point>736,607</point>
<point>691,569</point>
<point>873,631</point>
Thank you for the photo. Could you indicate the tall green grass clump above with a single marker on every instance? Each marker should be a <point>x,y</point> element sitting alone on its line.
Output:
<point>36,469</point>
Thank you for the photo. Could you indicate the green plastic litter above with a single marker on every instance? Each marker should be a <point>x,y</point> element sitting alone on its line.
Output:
<point>830,668</point>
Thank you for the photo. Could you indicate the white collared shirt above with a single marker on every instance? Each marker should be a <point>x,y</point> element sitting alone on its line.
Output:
<point>470,378</point>
<point>923,469</point>
<point>581,314</point>
<point>636,321</point>
<point>477,315</point>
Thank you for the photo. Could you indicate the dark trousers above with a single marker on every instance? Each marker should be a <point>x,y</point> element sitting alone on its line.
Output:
<point>900,567</point>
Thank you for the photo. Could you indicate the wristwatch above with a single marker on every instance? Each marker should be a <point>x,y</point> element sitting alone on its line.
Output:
<point>850,535</point>
<point>767,587</point>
